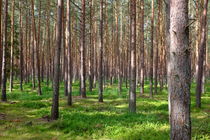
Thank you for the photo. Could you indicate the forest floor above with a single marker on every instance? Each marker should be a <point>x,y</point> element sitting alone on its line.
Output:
<point>26,116</point>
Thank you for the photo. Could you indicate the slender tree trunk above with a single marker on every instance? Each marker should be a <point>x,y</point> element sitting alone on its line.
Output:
<point>151,50</point>
<point>12,47</point>
<point>0,41</point>
<point>68,44</point>
<point>5,45</point>
<point>82,53</point>
<point>90,48</point>
<point>33,62</point>
<point>132,94</point>
<point>101,45</point>
<point>179,71</point>
<point>56,80</point>
<point>36,44</point>
<point>27,44</point>
<point>142,49</point>
<point>21,47</point>
<point>48,42</point>
<point>202,52</point>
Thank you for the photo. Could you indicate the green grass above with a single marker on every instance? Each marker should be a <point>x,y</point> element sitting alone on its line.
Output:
<point>25,116</point>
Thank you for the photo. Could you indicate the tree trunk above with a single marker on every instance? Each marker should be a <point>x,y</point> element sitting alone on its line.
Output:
<point>56,80</point>
<point>5,45</point>
<point>21,47</point>
<point>151,50</point>
<point>82,53</point>
<point>68,44</point>
<point>179,71</point>
<point>142,49</point>
<point>202,52</point>
<point>132,95</point>
<point>36,45</point>
<point>12,47</point>
<point>90,48</point>
<point>0,41</point>
<point>48,42</point>
<point>101,45</point>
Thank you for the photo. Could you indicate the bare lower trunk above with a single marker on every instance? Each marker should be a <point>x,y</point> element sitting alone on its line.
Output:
<point>142,50</point>
<point>12,47</point>
<point>202,52</point>
<point>56,80</point>
<point>0,42</point>
<point>69,57</point>
<point>100,69</point>
<point>5,45</point>
<point>82,53</point>
<point>151,51</point>
<point>132,94</point>
<point>21,49</point>
<point>179,72</point>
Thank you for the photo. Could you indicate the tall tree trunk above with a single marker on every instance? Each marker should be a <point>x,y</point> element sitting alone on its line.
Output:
<point>132,94</point>
<point>202,52</point>
<point>0,41</point>
<point>21,47</point>
<point>36,44</point>
<point>27,42</point>
<point>5,45</point>
<point>48,42</point>
<point>101,47</point>
<point>82,53</point>
<point>179,71</point>
<point>56,80</point>
<point>68,44</point>
<point>142,49</point>
<point>12,47</point>
<point>91,48</point>
<point>151,50</point>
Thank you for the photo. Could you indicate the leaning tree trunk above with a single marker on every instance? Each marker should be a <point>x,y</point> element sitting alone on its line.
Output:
<point>82,53</point>
<point>132,94</point>
<point>56,80</point>
<point>179,71</point>
<point>5,45</point>
<point>202,52</point>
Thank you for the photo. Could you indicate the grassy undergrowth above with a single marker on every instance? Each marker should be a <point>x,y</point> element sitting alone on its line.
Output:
<point>25,116</point>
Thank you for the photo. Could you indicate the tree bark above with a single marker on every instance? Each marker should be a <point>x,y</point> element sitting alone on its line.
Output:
<point>151,50</point>
<point>56,80</point>
<point>4,61</point>
<point>132,93</point>
<point>142,49</point>
<point>202,52</point>
<point>21,47</point>
<point>179,71</point>
<point>82,53</point>
<point>12,47</point>
<point>91,48</point>
<point>36,44</point>
<point>101,47</point>
<point>68,44</point>
<point>0,41</point>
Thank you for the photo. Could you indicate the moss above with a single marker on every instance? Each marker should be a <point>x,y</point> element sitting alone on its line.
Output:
<point>26,113</point>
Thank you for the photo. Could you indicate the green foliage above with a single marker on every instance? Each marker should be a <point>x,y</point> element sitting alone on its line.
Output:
<point>26,116</point>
